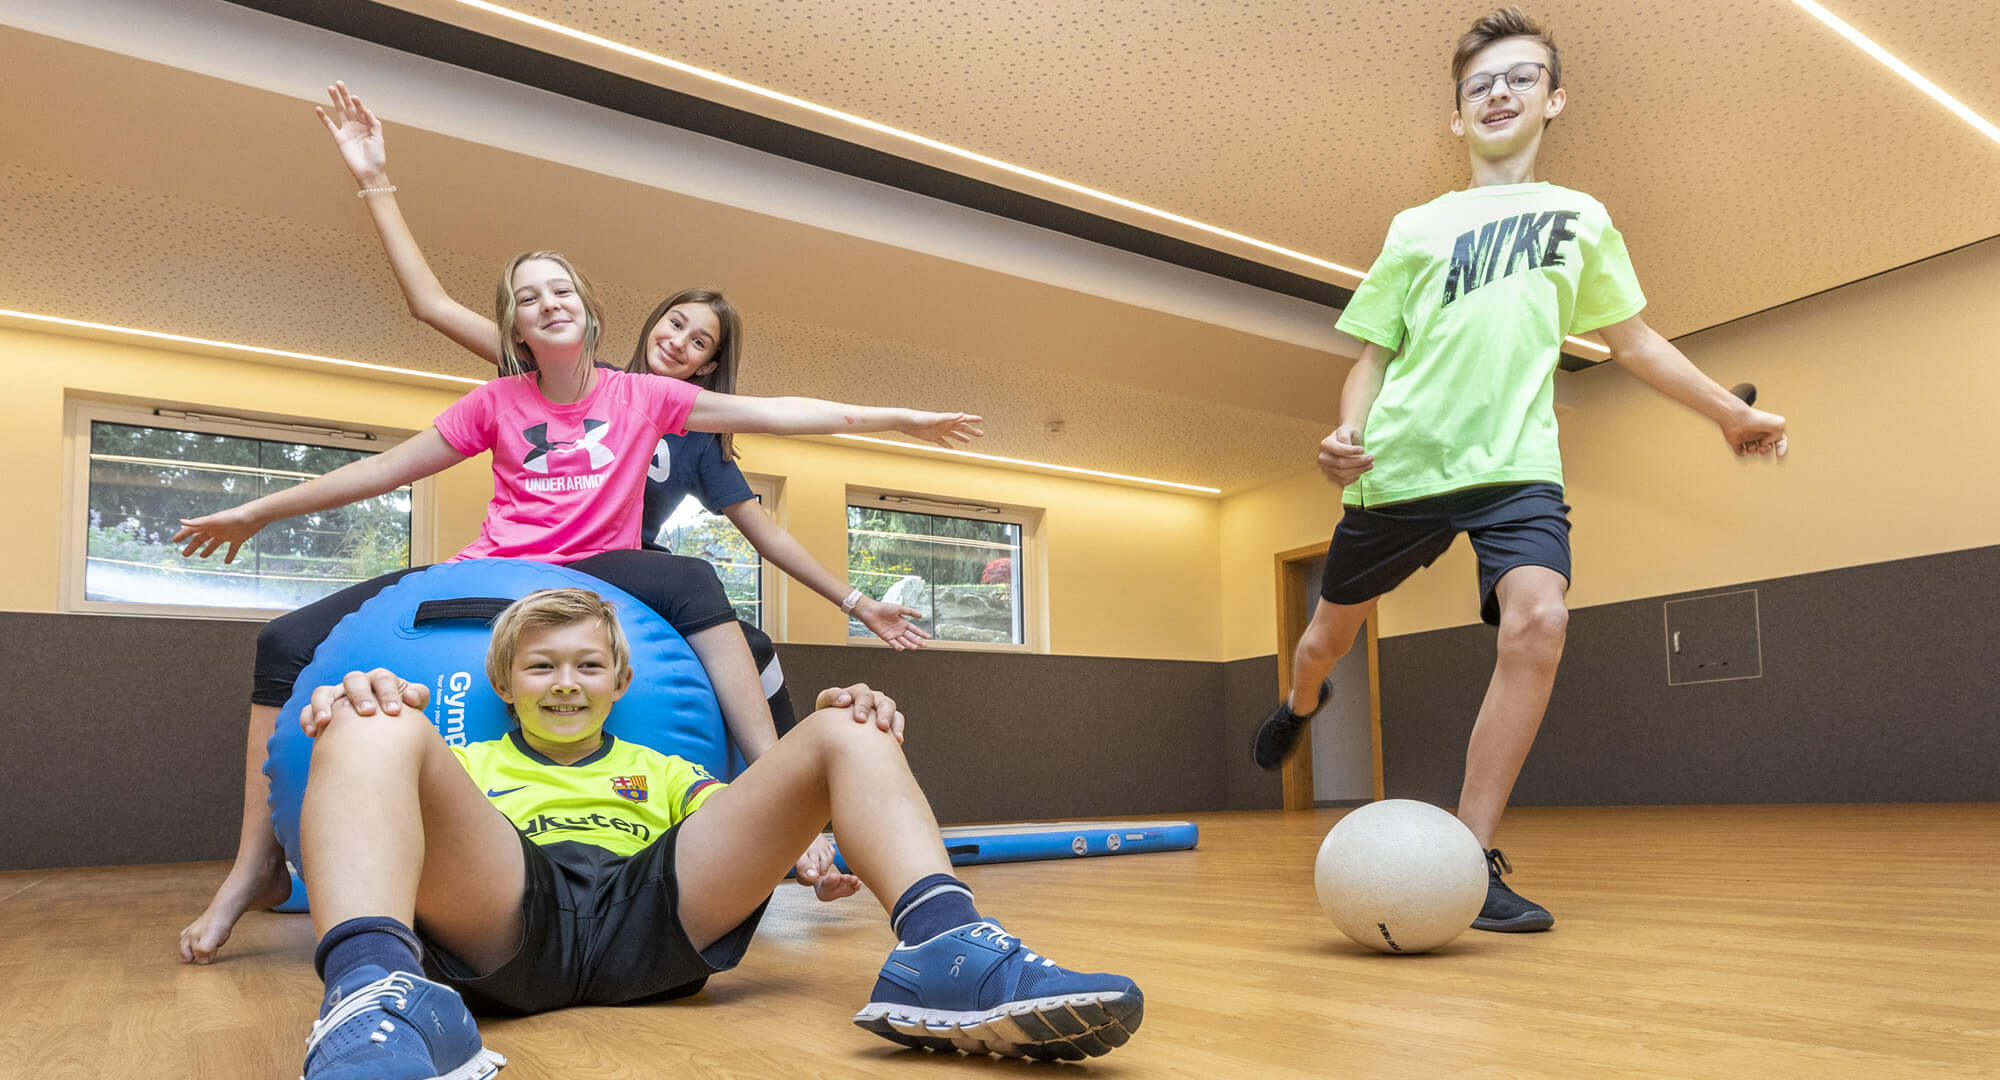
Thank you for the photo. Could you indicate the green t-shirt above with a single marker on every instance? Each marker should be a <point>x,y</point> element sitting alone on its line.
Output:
<point>620,798</point>
<point>1474,292</point>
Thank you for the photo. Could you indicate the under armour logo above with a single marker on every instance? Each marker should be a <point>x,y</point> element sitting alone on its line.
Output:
<point>594,432</point>
<point>663,462</point>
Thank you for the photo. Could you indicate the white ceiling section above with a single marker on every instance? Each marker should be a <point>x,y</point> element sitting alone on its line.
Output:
<point>171,177</point>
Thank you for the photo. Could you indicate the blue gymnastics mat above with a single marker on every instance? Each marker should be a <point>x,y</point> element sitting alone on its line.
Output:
<point>1027,840</point>
<point>1017,842</point>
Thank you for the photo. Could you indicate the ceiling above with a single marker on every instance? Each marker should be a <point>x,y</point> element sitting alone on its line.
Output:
<point>1749,155</point>
<point>173,179</point>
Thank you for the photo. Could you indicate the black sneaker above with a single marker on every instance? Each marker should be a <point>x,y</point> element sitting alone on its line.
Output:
<point>1279,732</point>
<point>1507,911</point>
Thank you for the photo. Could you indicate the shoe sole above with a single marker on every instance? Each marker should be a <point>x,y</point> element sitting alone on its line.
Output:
<point>1519,924</point>
<point>481,1066</point>
<point>1068,1028</point>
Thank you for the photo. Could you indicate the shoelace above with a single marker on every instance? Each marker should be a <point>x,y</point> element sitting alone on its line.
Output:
<point>1497,864</point>
<point>992,930</point>
<point>368,997</point>
<point>1007,941</point>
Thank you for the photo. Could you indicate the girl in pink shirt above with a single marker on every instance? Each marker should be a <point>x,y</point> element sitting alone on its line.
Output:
<point>571,444</point>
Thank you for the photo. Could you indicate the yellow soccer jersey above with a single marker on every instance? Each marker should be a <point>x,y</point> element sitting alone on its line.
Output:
<point>620,798</point>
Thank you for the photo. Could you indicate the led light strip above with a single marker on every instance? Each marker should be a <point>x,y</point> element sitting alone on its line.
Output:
<point>1909,74</point>
<point>930,143</point>
<point>156,335</point>
<point>1031,464</point>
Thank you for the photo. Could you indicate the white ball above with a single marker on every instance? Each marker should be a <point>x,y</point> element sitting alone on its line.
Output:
<point>1401,876</point>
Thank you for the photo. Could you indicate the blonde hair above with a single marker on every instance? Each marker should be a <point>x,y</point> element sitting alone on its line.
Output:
<point>515,357</point>
<point>544,610</point>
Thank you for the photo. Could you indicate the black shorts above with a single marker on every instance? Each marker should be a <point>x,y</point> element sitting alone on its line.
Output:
<point>596,929</point>
<point>1511,525</point>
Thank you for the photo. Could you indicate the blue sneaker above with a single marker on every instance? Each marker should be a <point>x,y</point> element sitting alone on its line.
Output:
<point>396,1026</point>
<point>979,990</point>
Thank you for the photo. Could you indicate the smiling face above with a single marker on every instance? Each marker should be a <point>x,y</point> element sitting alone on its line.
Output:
<point>1506,121</point>
<point>548,312</point>
<point>562,683</point>
<point>684,342</point>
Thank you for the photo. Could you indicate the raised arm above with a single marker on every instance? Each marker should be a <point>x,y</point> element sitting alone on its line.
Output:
<point>358,135</point>
<point>1641,350</point>
<point>379,474</point>
<point>890,622</point>
<point>1341,454</point>
<point>811,416</point>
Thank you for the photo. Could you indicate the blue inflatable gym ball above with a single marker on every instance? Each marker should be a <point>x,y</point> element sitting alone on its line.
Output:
<point>433,627</point>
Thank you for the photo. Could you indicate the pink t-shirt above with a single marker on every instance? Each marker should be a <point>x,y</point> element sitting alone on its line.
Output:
<point>569,481</point>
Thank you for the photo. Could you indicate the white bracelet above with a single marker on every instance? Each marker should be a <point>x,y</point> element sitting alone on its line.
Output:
<point>367,191</point>
<point>847,605</point>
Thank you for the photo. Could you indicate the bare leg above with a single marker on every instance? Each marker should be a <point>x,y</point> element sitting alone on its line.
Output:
<point>1327,638</point>
<point>1533,622</point>
<point>258,879</point>
<point>393,826</point>
<point>733,851</point>
<point>725,655</point>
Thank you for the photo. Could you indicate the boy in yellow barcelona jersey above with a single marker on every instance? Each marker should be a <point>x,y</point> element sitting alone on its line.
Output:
<point>561,866</point>
<point>1447,419</point>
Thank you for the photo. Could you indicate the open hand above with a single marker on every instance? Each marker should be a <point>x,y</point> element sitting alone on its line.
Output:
<point>358,135</point>
<point>1755,432</point>
<point>1341,457</point>
<point>816,868</point>
<point>366,693</point>
<point>211,531</point>
<point>891,623</point>
<point>944,428</point>
<point>868,705</point>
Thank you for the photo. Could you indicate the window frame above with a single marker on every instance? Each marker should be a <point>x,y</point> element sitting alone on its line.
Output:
<point>1028,570</point>
<point>79,413</point>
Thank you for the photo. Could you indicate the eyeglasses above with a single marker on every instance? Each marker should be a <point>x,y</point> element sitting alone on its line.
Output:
<point>1521,78</point>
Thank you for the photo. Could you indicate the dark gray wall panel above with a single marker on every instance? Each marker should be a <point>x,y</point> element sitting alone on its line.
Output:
<point>124,738</point>
<point>142,761</point>
<point>1880,684</point>
<point>1249,689</point>
<point>1006,736</point>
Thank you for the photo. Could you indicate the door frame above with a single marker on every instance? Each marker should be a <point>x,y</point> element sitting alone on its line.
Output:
<point>1297,772</point>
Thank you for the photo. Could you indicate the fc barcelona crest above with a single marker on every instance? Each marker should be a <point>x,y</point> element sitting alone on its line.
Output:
<point>630,787</point>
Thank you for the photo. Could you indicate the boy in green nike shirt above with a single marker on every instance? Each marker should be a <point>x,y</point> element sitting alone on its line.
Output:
<point>562,866</point>
<point>1447,420</point>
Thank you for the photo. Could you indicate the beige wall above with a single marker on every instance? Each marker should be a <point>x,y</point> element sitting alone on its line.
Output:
<point>1126,571</point>
<point>1891,387</point>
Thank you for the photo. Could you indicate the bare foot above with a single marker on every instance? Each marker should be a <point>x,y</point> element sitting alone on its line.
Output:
<point>258,884</point>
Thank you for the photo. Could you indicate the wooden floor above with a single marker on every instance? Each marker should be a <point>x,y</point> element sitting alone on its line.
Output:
<point>1820,942</point>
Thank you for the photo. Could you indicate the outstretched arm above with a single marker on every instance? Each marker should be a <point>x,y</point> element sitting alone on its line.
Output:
<point>358,135</point>
<point>1641,350</point>
<point>379,474</point>
<point>811,416</point>
<point>1341,454</point>
<point>890,622</point>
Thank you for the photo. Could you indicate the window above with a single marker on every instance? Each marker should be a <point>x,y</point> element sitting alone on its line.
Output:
<point>962,564</point>
<point>138,471</point>
<point>751,585</point>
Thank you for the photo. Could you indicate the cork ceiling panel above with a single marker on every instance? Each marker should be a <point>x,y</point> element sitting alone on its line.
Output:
<point>1750,155</point>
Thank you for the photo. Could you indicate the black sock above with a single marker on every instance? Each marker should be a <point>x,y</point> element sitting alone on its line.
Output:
<point>932,906</point>
<point>371,939</point>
